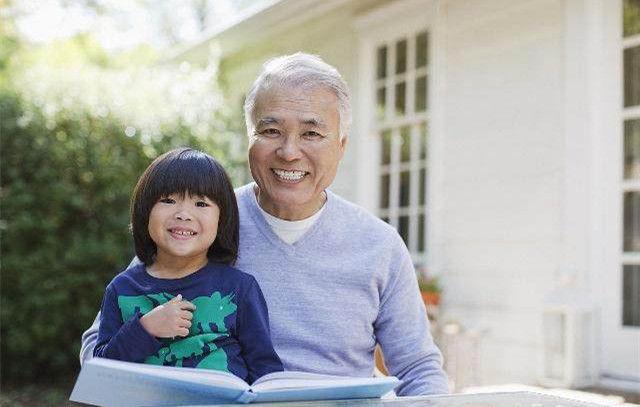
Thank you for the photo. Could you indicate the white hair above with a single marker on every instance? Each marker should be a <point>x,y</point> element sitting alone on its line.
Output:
<point>299,70</point>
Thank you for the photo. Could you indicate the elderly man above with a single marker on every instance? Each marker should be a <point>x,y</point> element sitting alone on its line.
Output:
<point>337,280</point>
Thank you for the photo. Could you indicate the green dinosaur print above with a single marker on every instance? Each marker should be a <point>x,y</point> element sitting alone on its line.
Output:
<point>193,345</point>
<point>212,309</point>
<point>216,360</point>
<point>207,326</point>
<point>143,303</point>
<point>159,358</point>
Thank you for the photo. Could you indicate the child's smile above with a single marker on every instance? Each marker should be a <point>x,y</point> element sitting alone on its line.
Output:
<point>182,233</point>
<point>183,228</point>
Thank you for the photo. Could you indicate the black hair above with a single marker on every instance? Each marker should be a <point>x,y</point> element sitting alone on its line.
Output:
<point>185,171</point>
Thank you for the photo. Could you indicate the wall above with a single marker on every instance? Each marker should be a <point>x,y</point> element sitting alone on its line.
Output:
<point>502,145</point>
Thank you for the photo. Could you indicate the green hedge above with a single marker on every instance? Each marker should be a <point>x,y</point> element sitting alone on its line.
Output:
<point>66,184</point>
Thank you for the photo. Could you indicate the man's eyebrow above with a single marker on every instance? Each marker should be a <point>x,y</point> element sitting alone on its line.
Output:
<point>314,122</point>
<point>265,121</point>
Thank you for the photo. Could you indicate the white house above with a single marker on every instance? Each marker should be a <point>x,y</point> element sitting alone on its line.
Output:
<point>502,139</point>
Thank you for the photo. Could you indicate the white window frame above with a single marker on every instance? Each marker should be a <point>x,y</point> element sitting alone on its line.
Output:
<point>593,208</point>
<point>627,185</point>
<point>388,24</point>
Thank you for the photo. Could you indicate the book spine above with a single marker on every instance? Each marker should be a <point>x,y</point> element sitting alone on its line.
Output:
<point>247,397</point>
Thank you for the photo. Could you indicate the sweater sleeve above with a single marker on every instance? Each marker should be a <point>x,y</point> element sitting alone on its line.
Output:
<point>127,341</point>
<point>90,336</point>
<point>88,341</point>
<point>402,329</point>
<point>254,334</point>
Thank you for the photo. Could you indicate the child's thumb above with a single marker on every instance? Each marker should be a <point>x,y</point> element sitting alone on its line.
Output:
<point>177,298</point>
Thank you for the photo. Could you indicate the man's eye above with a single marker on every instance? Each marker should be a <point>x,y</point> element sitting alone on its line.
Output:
<point>269,132</point>
<point>167,200</point>
<point>312,134</point>
<point>202,204</point>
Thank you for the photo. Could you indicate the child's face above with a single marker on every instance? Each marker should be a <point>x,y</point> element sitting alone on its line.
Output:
<point>183,227</point>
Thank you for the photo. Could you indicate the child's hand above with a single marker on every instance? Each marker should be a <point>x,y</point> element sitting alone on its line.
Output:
<point>170,319</point>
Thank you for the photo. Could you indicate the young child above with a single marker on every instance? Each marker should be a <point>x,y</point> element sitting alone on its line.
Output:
<point>185,305</point>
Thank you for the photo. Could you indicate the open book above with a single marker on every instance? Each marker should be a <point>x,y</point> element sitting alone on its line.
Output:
<point>108,382</point>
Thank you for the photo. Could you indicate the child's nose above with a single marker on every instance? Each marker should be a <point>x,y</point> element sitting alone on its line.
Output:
<point>183,216</point>
<point>182,213</point>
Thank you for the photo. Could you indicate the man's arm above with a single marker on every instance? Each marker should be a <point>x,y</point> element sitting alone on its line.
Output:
<point>90,336</point>
<point>402,329</point>
<point>89,339</point>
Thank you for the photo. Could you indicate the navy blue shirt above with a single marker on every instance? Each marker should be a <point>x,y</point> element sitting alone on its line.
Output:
<point>229,331</point>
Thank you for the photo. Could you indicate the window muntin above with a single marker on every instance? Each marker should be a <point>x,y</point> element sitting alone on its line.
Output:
<point>401,88</point>
<point>630,266</point>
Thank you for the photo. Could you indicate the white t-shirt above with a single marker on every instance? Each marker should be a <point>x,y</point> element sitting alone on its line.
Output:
<point>290,230</point>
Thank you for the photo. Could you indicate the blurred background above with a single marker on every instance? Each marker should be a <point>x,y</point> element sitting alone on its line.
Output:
<point>86,103</point>
<point>501,138</point>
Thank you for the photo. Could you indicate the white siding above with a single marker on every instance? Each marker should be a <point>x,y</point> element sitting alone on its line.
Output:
<point>502,101</point>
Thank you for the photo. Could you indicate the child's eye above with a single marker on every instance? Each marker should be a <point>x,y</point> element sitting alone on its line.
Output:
<point>202,204</point>
<point>167,200</point>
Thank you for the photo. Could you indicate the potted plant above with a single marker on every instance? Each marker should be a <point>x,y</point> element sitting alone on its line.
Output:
<point>430,290</point>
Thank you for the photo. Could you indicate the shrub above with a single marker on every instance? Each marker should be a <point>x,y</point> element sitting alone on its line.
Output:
<point>70,159</point>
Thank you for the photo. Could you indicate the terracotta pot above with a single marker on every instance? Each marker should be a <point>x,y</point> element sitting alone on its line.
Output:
<point>430,298</point>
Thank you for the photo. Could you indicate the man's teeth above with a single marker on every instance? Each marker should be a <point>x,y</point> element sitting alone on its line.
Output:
<point>290,175</point>
<point>183,232</point>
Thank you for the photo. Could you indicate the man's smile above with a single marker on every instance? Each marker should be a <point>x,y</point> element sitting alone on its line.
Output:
<point>289,175</point>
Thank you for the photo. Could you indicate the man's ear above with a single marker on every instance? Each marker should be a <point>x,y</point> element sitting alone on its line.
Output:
<point>343,144</point>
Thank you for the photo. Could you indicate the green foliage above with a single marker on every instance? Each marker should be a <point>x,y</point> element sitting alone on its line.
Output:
<point>429,284</point>
<point>74,138</point>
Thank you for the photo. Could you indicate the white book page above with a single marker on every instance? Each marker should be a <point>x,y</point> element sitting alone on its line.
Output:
<point>200,376</point>
<point>299,380</point>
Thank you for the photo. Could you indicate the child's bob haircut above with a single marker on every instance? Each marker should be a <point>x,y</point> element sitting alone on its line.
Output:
<point>185,171</point>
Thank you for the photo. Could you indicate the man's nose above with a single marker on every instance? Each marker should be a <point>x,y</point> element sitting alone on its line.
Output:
<point>289,150</point>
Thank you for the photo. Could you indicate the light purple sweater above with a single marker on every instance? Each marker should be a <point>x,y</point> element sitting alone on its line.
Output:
<point>346,284</point>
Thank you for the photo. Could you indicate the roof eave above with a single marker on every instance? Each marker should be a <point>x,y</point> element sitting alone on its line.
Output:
<point>273,16</point>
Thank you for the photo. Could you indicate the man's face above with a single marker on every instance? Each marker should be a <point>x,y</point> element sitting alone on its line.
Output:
<point>295,149</point>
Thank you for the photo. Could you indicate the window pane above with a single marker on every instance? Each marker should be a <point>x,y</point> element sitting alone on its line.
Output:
<point>423,141</point>
<point>384,191</point>
<point>400,98</point>
<point>421,49</point>
<point>632,149</point>
<point>401,56</point>
<point>631,17</point>
<point>404,188</point>
<point>632,76</point>
<point>405,144</point>
<point>421,94</point>
<point>421,232</point>
<point>381,103</point>
<point>422,186</point>
<point>386,147</point>
<point>382,62</point>
<point>403,229</point>
<point>632,221</point>
<point>631,296</point>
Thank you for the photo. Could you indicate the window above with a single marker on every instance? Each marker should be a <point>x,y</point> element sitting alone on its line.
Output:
<point>401,115</point>
<point>631,171</point>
